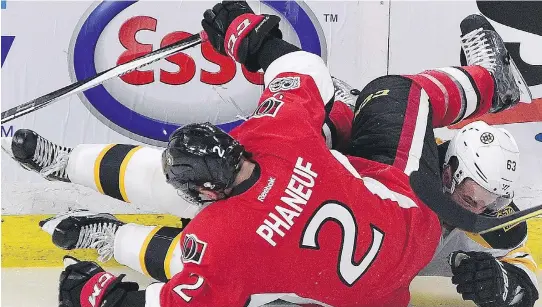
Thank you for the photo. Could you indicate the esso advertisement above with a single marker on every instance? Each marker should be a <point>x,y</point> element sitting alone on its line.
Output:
<point>195,85</point>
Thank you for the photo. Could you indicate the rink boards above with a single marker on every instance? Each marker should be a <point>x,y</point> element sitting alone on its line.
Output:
<point>24,244</point>
<point>30,261</point>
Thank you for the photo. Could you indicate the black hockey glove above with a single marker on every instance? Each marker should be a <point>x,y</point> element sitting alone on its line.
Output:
<point>486,281</point>
<point>86,284</point>
<point>233,29</point>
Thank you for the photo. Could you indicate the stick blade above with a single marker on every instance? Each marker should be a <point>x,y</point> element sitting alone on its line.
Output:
<point>487,224</point>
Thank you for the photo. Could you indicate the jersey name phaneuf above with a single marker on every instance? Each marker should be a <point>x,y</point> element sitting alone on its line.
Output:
<point>297,194</point>
<point>313,226</point>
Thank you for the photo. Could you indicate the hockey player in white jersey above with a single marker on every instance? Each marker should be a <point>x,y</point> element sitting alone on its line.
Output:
<point>132,173</point>
<point>494,263</point>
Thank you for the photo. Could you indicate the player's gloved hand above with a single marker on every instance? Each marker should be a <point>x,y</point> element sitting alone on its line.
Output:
<point>86,284</point>
<point>483,279</point>
<point>233,29</point>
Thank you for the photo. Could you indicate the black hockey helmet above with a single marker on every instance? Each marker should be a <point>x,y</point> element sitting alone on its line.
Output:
<point>201,156</point>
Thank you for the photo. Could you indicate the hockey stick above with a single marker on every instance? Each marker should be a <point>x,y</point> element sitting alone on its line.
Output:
<point>91,82</point>
<point>430,192</point>
<point>510,220</point>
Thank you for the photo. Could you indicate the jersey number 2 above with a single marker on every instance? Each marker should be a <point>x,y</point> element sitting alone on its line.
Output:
<point>179,289</point>
<point>348,269</point>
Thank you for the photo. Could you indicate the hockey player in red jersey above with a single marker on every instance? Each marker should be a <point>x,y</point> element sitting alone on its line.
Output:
<point>475,152</point>
<point>306,239</point>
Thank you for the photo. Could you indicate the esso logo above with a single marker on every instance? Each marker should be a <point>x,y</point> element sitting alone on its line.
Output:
<point>196,85</point>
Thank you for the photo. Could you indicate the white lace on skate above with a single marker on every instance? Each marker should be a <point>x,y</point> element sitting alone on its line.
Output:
<point>478,50</point>
<point>99,236</point>
<point>343,92</point>
<point>52,158</point>
<point>486,48</point>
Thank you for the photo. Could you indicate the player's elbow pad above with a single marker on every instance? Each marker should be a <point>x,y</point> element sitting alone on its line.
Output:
<point>306,63</point>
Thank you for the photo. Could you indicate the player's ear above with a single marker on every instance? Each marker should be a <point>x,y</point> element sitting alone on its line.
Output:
<point>447,176</point>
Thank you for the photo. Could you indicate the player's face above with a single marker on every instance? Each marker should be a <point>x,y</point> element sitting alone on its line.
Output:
<point>473,197</point>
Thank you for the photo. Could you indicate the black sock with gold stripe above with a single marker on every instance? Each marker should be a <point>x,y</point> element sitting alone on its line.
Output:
<point>110,169</point>
<point>158,252</point>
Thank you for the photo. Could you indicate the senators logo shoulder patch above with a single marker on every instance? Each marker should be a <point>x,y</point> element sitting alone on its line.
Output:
<point>284,84</point>
<point>192,249</point>
<point>270,107</point>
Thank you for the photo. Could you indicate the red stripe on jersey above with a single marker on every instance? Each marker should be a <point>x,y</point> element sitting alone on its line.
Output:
<point>485,85</point>
<point>439,99</point>
<point>409,125</point>
<point>454,97</point>
<point>445,111</point>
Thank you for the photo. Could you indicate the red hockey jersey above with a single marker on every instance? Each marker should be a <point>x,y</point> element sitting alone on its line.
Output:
<point>317,228</point>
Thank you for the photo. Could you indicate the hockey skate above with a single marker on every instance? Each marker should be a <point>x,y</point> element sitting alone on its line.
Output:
<point>80,229</point>
<point>483,46</point>
<point>38,154</point>
<point>345,93</point>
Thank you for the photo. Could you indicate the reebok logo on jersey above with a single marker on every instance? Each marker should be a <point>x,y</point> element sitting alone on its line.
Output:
<point>270,183</point>
<point>192,249</point>
<point>297,194</point>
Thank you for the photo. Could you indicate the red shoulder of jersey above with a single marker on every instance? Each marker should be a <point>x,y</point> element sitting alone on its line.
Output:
<point>206,279</point>
<point>298,86</point>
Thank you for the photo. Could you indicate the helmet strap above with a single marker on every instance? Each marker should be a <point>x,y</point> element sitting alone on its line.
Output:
<point>450,180</point>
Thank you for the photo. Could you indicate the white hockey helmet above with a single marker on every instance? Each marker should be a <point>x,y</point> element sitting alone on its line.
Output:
<point>487,155</point>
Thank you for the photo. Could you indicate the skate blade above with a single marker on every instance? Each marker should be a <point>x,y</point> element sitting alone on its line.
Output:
<point>6,146</point>
<point>69,260</point>
<point>5,143</point>
<point>525,93</point>
<point>49,224</point>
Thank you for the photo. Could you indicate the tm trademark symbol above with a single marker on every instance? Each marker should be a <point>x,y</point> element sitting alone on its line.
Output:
<point>331,17</point>
<point>8,132</point>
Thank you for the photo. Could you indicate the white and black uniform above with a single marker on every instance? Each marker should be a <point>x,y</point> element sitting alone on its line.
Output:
<point>508,245</point>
